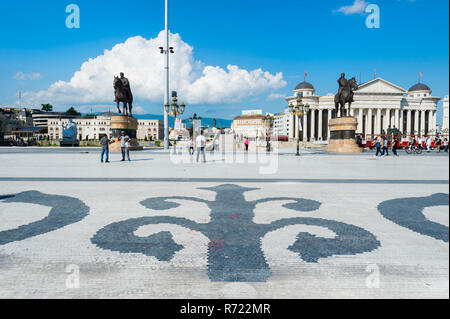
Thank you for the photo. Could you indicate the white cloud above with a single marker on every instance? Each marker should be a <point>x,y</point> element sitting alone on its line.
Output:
<point>358,7</point>
<point>276,96</point>
<point>20,76</point>
<point>142,63</point>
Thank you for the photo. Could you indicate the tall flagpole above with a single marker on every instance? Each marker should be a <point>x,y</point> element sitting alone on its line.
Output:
<point>166,78</point>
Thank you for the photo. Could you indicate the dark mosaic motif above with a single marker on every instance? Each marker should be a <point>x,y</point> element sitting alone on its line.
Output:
<point>408,212</point>
<point>64,211</point>
<point>234,250</point>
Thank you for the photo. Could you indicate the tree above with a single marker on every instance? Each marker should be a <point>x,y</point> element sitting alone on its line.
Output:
<point>394,131</point>
<point>47,107</point>
<point>73,112</point>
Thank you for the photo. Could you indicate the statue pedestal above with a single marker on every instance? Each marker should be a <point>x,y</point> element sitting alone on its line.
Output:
<point>129,126</point>
<point>66,143</point>
<point>342,136</point>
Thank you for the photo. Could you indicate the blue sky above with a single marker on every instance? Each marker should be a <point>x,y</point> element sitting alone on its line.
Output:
<point>277,36</point>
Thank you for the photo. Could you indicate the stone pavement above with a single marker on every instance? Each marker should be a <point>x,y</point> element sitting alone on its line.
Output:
<point>239,226</point>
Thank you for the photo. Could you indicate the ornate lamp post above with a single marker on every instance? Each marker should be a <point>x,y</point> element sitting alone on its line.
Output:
<point>268,121</point>
<point>176,110</point>
<point>166,50</point>
<point>193,121</point>
<point>298,110</point>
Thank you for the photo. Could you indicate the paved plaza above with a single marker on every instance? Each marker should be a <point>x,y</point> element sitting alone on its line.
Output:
<point>239,226</point>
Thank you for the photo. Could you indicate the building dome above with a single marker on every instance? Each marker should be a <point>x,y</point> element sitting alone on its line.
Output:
<point>419,87</point>
<point>305,86</point>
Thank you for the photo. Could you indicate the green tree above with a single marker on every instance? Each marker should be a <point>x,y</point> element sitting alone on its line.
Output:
<point>47,107</point>
<point>73,112</point>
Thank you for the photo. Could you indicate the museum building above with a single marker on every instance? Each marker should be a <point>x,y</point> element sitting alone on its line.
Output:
<point>378,105</point>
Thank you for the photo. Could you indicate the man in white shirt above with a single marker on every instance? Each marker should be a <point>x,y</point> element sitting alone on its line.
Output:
<point>428,144</point>
<point>200,141</point>
<point>125,146</point>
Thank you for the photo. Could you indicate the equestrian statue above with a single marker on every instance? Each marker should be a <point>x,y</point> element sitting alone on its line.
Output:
<point>345,95</point>
<point>123,94</point>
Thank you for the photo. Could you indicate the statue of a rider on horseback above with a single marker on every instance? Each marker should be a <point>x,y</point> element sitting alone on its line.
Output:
<point>123,94</point>
<point>345,95</point>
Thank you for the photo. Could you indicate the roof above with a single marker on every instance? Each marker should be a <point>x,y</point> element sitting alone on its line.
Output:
<point>380,80</point>
<point>249,117</point>
<point>31,129</point>
<point>304,86</point>
<point>419,87</point>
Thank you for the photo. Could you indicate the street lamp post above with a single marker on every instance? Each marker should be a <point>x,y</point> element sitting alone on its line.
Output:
<point>175,111</point>
<point>166,50</point>
<point>268,122</point>
<point>298,110</point>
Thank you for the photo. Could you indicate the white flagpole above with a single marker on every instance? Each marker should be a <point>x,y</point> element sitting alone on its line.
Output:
<point>166,78</point>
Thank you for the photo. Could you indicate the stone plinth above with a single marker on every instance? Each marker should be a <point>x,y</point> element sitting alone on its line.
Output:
<point>342,136</point>
<point>129,126</point>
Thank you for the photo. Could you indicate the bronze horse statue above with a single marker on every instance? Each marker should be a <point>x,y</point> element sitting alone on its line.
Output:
<point>124,95</point>
<point>345,97</point>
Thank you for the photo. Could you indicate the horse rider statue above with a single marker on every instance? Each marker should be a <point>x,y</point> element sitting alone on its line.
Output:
<point>123,94</point>
<point>345,94</point>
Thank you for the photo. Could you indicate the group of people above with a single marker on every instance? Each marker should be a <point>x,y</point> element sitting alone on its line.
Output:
<point>382,146</point>
<point>241,139</point>
<point>428,143</point>
<point>200,144</point>
<point>124,140</point>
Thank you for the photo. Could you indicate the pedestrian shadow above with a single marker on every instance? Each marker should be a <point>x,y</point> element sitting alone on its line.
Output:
<point>142,159</point>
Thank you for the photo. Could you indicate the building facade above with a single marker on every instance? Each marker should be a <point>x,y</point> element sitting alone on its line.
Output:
<point>445,122</point>
<point>150,130</point>
<point>249,126</point>
<point>93,128</point>
<point>14,119</point>
<point>281,124</point>
<point>378,105</point>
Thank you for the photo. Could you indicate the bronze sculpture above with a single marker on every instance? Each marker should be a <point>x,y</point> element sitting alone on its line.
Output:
<point>123,94</point>
<point>345,95</point>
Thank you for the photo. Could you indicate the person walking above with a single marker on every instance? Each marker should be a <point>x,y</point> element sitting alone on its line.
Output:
<point>201,143</point>
<point>428,144</point>
<point>247,144</point>
<point>191,146</point>
<point>124,145</point>
<point>395,146</point>
<point>378,146</point>
<point>445,145</point>
<point>385,147</point>
<point>438,144</point>
<point>104,142</point>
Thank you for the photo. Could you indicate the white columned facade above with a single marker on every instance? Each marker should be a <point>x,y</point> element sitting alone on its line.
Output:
<point>329,119</point>
<point>378,105</point>
<point>430,121</point>
<point>416,122</point>
<point>291,126</point>
<point>408,123</point>
<point>434,121</point>
<point>378,121</point>
<point>422,122</point>
<point>360,120</point>
<point>387,120</point>
<point>369,121</point>
<point>297,133</point>
<point>396,120</point>
<point>320,137</point>
<point>305,127</point>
